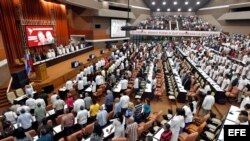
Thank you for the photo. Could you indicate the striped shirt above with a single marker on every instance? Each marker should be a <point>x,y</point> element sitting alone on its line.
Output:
<point>138,110</point>
<point>132,131</point>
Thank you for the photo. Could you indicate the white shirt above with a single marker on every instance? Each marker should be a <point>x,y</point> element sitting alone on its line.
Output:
<point>99,80</point>
<point>124,84</point>
<point>31,103</point>
<point>11,116</point>
<point>80,85</point>
<point>208,102</point>
<point>206,89</point>
<point>124,100</point>
<point>78,76</point>
<point>245,101</point>
<point>69,85</point>
<point>188,114</point>
<point>53,98</point>
<point>239,68</point>
<point>242,83</point>
<point>82,116</point>
<point>77,104</point>
<point>225,84</point>
<point>215,74</point>
<point>93,86</point>
<point>85,80</point>
<point>175,124</point>
<point>195,106</point>
<point>219,80</point>
<point>136,84</point>
<point>208,68</point>
<point>41,101</point>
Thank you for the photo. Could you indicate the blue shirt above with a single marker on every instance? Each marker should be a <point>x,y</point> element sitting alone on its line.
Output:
<point>147,108</point>
<point>117,108</point>
<point>47,137</point>
<point>109,99</point>
<point>24,120</point>
<point>102,117</point>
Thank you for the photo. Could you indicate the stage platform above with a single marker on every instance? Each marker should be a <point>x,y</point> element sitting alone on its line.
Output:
<point>59,73</point>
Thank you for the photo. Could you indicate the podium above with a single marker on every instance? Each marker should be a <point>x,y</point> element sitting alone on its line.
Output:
<point>41,72</point>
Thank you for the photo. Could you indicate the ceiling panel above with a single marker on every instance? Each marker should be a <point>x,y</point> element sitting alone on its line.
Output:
<point>174,5</point>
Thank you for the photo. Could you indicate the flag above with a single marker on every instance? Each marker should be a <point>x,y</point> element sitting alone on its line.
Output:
<point>28,61</point>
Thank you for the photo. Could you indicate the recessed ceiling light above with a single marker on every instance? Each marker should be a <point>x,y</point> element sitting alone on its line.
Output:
<point>158,9</point>
<point>186,3</point>
<point>198,2</point>
<point>190,9</point>
<point>179,9</point>
<point>175,3</point>
<point>153,3</point>
<point>168,9</point>
<point>164,3</point>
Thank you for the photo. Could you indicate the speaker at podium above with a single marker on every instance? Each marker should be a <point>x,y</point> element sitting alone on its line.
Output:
<point>41,72</point>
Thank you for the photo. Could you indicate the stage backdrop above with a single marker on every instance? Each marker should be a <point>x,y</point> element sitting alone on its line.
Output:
<point>32,10</point>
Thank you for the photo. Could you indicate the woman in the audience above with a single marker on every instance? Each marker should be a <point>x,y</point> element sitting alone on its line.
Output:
<point>70,101</point>
<point>94,109</point>
<point>176,123</point>
<point>147,108</point>
<point>97,133</point>
<point>20,135</point>
<point>167,134</point>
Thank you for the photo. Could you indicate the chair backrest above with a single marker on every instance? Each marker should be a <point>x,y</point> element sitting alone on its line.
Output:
<point>110,115</point>
<point>61,139</point>
<point>32,133</point>
<point>206,117</point>
<point>200,128</point>
<point>89,129</point>
<point>119,139</point>
<point>10,138</point>
<point>19,92</point>
<point>49,107</point>
<point>59,119</point>
<point>235,91</point>
<point>192,136</point>
<point>74,136</point>
<point>140,131</point>
<point>11,96</point>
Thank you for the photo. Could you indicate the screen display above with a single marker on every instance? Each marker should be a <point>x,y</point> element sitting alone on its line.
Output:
<point>116,25</point>
<point>39,35</point>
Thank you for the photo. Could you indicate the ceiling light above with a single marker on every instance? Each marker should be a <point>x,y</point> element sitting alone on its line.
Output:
<point>198,2</point>
<point>168,9</point>
<point>158,9</point>
<point>186,3</point>
<point>190,9</point>
<point>164,3</point>
<point>175,3</point>
<point>153,3</point>
<point>179,9</point>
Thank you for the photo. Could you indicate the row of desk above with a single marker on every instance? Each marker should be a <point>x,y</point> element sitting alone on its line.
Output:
<point>179,91</point>
<point>63,57</point>
<point>219,94</point>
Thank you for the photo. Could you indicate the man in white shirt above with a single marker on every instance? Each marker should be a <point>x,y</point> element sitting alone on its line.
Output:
<point>124,101</point>
<point>225,83</point>
<point>41,101</point>
<point>29,90</point>
<point>80,86</point>
<point>53,97</point>
<point>219,79</point>
<point>206,89</point>
<point>69,85</point>
<point>245,101</point>
<point>31,103</point>
<point>78,76</point>
<point>136,84</point>
<point>82,117</point>
<point>207,103</point>
<point>99,79</point>
<point>85,81</point>
<point>10,116</point>
<point>124,84</point>
<point>188,114</point>
<point>78,103</point>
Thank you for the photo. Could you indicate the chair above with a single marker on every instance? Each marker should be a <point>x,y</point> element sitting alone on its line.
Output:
<point>75,136</point>
<point>188,137</point>
<point>10,138</point>
<point>49,107</point>
<point>110,115</point>
<point>119,139</point>
<point>18,62</point>
<point>193,128</point>
<point>234,93</point>
<point>19,92</point>
<point>11,97</point>
<point>59,119</point>
<point>32,133</point>
<point>140,130</point>
<point>88,129</point>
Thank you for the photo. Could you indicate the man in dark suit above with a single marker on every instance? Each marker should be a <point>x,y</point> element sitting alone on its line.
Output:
<point>187,82</point>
